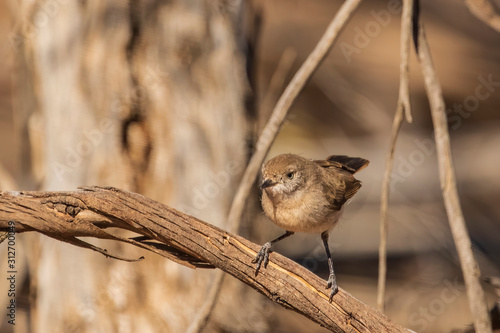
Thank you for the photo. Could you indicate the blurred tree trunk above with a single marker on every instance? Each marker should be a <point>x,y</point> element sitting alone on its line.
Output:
<point>147,96</point>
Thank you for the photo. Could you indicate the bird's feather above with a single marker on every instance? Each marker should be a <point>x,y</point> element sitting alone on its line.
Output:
<point>351,164</point>
<point>342,186</point>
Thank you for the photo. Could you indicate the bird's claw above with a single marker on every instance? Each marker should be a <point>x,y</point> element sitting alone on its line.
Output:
<point>262,257</point>
<point>332,283</point>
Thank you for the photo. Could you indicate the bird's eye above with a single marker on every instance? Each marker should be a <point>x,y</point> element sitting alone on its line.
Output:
<point>290,175</point>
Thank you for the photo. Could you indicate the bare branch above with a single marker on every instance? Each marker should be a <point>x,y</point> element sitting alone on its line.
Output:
<point>403,105</point>
<point>470,268</point>
<point>404,76</point>
<point>483,10</point>
<point>100,208</point>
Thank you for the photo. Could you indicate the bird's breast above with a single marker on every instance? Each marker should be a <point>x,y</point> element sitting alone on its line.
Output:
<point>300,213</point>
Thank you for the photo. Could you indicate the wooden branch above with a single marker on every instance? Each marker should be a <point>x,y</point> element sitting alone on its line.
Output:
<point>403,108</point>
<point>404,75</point>
<point>470,268</point>
<point>186,240</point>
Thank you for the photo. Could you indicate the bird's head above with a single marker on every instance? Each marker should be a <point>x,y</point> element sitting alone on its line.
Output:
<point>284,174</point>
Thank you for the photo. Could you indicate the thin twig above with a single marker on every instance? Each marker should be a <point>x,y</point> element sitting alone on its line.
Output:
<point>189,241</point>
<point>470,268</point>
<point>403,106</point>
<point>483,10</point>
<point>269,133</point>
<point>404,76</point>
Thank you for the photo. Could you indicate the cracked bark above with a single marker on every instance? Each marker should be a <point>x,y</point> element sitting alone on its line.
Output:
<point>188,241</point>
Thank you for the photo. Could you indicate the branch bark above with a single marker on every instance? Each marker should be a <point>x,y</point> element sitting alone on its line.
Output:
<point>186,240</point>
<point>470,268</point>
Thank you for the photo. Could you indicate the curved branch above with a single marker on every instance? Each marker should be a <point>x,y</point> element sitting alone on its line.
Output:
<point>188,241</point>
<point>470,268</point>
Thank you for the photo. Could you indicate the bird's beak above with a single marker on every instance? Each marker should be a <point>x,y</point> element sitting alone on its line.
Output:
<point>267,183</point>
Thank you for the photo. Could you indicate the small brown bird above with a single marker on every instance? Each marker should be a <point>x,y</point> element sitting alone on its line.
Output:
<point>302,195</point>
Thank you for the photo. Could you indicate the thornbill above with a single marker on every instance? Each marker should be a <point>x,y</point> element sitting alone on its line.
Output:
<point>302,195</point>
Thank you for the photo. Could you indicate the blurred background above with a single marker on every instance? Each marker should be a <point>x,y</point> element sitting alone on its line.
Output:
<point>167,98</point>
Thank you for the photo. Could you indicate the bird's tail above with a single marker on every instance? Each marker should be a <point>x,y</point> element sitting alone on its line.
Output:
<point>351,164</point>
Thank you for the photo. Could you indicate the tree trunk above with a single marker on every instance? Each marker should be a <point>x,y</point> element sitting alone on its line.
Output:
<point>147,96</point>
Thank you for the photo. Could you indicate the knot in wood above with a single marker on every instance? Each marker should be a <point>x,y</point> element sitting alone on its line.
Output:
<point>65,204</point>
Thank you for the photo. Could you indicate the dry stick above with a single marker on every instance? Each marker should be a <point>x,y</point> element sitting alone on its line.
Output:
<point>403,106</point>
<point>97,211</point>
<point>269,134</point>
<point>483,10</point>
<point>470,268</point>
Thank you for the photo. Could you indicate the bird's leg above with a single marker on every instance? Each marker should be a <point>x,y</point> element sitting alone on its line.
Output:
<point>332,280</point>
<point>263,255</point>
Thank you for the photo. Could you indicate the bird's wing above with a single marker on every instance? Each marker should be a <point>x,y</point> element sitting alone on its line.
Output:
<point>341,189</point>
<point>351,164</point>
<point>352,188</point>
<point>341,184</point>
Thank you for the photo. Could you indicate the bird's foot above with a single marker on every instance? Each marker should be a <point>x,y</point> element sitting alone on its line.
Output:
<point>262,257</point>
<point>332,283</point>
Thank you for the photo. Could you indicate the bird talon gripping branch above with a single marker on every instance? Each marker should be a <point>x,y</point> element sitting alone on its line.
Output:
<point>262,257</point>
<point>301,195</point>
